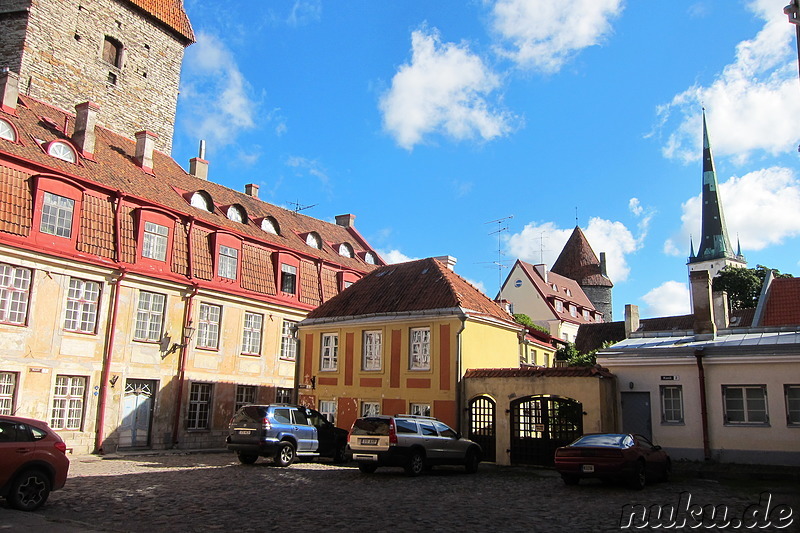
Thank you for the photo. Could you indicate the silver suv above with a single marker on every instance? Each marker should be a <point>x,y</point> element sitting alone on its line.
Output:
<point>414,442</point>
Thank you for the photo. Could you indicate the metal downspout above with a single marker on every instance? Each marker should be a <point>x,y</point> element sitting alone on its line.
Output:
<point>459,375</point>
<point>701,376</point>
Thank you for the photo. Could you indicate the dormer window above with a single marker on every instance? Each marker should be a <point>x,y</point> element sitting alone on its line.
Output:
<point>270,225</point>
<point>314,240</point>
<point>7,131</point>
<point>112,51</point>
<point>345,250</point>
<point>201,200</point>
<point>369,258</point>
<point>559,306</point>
<point>63,151</point>
<point>236,213</point>
<point>554,287</point>
<point>567,291</point>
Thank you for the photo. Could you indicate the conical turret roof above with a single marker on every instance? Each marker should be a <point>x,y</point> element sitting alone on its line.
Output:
<point>579,262</point>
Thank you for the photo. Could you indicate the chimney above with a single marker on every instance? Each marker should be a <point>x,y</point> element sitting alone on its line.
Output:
<point>631,319</point>
<point>603,270</point>
<point>251,189</point>
<point>9,90</point>
<point>542,270</point>
<point>721,315</point>
<point>345,221</point>
<point>85,121</point>
<point>704,326</point>
<point>448,260</point>
<point>145,143</point>
<point>198,166</point>
<point>506,305</point>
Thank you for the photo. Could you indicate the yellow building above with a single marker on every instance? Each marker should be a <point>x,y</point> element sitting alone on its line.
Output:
<point>399,341</point>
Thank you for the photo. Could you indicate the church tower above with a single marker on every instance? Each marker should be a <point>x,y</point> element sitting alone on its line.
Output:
<point>123,55</point>
<point>715,251</point>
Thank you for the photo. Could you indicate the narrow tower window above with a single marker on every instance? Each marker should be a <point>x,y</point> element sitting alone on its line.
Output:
<point>112,51</point>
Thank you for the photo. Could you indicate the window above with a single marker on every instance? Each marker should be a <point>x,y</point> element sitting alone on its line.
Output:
<point>228,260</point>
<point>288,341</point>
<point>57,215</point>
<point>236,214</point>
<point>329,358</point>
<point>8,385</point>
<point>251,335</point>
<point>288,278</point>
<point>154,243</point>
<point>587,315</point>
<point>199,406</point>
<point>82,300</point>
<point>63,151</point>
<point>559,306</point>
<point>245,395</point>
<point>672,404</point>
<point>149,316</point>
<point>270,225</point>
<point>371,357</point>
<point>68,402</point>
<point>15,287</point>
<point>369,258</point>
<point>208,329</point>
<point>202,201</point>
<point>420,358</point>
<point>112,51</point>
<point>573,311</point>
<point>745,404</point>
<point>370,408</point>
<point>345,250</point>
<point>283,395</point>
<point>567,291</point>
<point>792,393</point>
<point>328,409</point>
<point>421,409</point>
<point>313,240</point>
<point>445,430</point>
<point>7,132</point>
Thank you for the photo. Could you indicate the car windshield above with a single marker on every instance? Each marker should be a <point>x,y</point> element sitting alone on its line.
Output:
<point>371,426</point>
<point>609,440</point>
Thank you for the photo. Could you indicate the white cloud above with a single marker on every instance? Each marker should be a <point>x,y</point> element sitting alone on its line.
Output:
<point>304,12</point>
<point>216,92</point>
<point>542,243</point>
<point>544,34</point>
<point>309,166</point>
<point>478,285</point>
<point>761,208</point>
<point>668,299</point>
<point>751,105</point>
<point>394,256</point>
<point>443,90</point>
<point>635,206</point>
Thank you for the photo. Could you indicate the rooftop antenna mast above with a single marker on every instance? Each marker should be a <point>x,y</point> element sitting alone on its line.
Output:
<point>297,206</point>
<point>502,225</point>
<point>541,247</point>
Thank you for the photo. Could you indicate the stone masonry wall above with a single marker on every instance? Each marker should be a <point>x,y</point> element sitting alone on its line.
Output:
<point>62,62</point>
<point>601,299</point>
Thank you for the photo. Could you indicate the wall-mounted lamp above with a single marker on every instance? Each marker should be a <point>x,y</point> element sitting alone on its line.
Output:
<point>188,333</point>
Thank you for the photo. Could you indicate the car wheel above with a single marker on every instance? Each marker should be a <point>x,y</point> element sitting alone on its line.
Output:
<point>285,455</point>
<point>29,490</point>
<point>340,453</point>
<point>570,480</point>
<point>639,477</point>
<point>367,468</point>
<point>416,464</point>
<point>471,462</point>
<point>247,458</point>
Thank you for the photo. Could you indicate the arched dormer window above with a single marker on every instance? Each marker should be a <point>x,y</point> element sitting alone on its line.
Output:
<point>237,214</point>
<point>63,151</point>
<point>369,258</point>
<point>202,200</point>
<point>270,225</point>
<point>345,250</point>
<point>314,240</point>
<point>7,131</point>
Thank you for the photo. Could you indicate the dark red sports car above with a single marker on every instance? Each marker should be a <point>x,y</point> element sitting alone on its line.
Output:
<point>631,458</point>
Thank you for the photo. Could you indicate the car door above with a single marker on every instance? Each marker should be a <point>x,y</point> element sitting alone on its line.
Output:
<point>304,432</point>
<point>326,434</point>
<point>16,447</point>
<point>431,440</point>
<point>450,448</point>
<point>653,456</point>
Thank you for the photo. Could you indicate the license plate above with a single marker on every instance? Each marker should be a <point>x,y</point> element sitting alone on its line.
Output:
<point>244,432</point>
<point>587,468</point>
<point>368,441</point>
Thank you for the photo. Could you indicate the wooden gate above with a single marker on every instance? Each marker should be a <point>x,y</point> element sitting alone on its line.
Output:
<point>482,425</point>
<point>540,424</point>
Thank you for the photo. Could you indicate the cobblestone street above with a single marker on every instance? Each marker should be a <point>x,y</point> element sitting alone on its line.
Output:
<point>213,492</point>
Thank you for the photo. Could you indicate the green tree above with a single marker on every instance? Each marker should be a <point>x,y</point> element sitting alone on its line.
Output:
<point>525,320</point>
<point>743,285</point>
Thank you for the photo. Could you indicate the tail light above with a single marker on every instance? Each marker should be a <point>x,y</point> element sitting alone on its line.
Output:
<point>392,433</point>
<point>265,424</point>
<point>60,446</point>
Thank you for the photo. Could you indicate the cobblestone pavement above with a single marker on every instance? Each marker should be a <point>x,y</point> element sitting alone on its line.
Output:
<point>213,492</point>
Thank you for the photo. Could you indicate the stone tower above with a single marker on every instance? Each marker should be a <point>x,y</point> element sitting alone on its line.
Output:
<point>123,55</point>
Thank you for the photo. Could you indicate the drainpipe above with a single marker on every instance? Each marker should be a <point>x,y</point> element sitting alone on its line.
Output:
<point>102,396</point>
<point>701,376</point>
<point>187,316</point>
<point>459,376</point>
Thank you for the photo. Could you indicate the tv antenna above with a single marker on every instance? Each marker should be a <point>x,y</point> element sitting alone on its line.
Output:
<point>542,250</point>
<point>297,206</point>
<point>502,225</point>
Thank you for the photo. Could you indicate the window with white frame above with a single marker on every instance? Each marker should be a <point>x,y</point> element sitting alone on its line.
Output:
<point>199,412</point>
<point>283,395</point>
<point>270,225</point>
<point>288,279</point>
<point>420,349</point>
<point>421,409</point>
<point>671,404</point>
<point>82,300</point>
<point>251,334</point>
<point>559,306</point>
<point>573,311</point>
<point>245,395</point>
<point>8,386</point>
<point>587,315</point>
<point>370,408</point>
<point>15,287</point>
<point>329,356</point>
<point>202,201</point>
<point>228,260</point>
<point>149,316</point>
<point>208,326</point>
<point>57,215</point>
<point>370,259</point>
<point>792,395</point>
<point>236,214</point>
<point>288,340</point>
<point>6,131</point>
<point>372,350</point>
<point>68,400</point>
<point>154,241</point>
<point>314,240</point>
<point>745,404</point>
<point>327,408</point>
<point>345,250</point>
<point>63,151</point>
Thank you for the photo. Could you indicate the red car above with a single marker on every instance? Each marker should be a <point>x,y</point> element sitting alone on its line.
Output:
<point>607,456</point>
<point>33,462</point>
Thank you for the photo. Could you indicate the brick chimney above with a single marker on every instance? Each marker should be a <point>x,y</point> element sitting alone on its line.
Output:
<point>85,121</point>
<point>198,166</point>
<point>631,319</point>
<point>9,90</point>
<point>345,221</point>
<point>702,305</point>
<point>251,189</point>
<point>448,260</point>
<point>721,315</point>
<point>603,269</point>
<point>145,143</point>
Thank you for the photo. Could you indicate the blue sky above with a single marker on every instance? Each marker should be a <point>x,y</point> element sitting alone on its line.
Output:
<point>429,120</point>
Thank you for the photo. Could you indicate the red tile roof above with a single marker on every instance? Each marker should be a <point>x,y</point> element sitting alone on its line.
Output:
<point>577,261</point>
<point>170,13</point>
<point>783,303</point>
<point>563,284</point>
<point>423,285</point>
<point>540,372</point>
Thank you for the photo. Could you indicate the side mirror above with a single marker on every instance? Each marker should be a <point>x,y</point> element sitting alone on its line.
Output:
<point>458,435</point>
<point>656,447</point>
